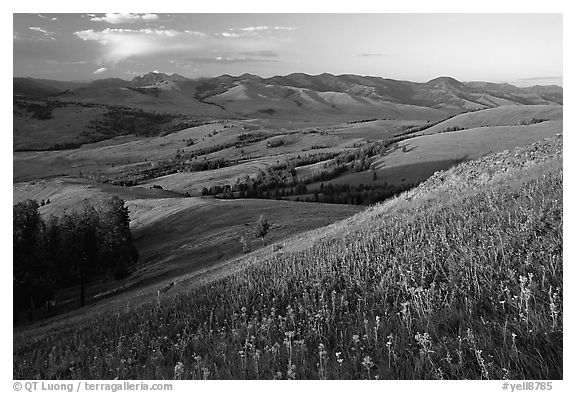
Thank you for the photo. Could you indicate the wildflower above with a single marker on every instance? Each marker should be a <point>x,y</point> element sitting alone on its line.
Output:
<point>178,370</point>
<point>205,373</point>
<point>367,362</point>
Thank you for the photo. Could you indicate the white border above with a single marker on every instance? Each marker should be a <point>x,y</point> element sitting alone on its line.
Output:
<point>306,6</point>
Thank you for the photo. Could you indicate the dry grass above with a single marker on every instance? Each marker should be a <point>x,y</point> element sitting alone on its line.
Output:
<point>67,124</point>
<point>458,279</point>
<point>374,130</point>
<point>507,115</point>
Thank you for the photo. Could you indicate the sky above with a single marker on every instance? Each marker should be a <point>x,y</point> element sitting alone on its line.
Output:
<point>522,49</point>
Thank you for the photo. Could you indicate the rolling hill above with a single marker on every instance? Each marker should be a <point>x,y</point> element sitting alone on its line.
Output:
<point>459,278</point>
<point>176,236</point>
<point>509,115</point>
<point>310,96</point>
<point>366,138</point>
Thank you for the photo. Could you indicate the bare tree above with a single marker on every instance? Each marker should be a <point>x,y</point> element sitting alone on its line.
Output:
<point>244,242</point>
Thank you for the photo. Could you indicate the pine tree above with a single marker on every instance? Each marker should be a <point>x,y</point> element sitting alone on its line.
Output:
<point>262,227</point>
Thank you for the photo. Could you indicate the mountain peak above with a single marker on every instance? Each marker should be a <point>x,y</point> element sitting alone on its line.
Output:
<point>154,77</point>
<point>444,80</point>
<point>248,76</point>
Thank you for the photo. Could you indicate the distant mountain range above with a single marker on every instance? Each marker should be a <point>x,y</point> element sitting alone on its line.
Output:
<point>291,95</point>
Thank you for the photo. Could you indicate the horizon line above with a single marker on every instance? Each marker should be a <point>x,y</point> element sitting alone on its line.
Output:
<point>526,80</point>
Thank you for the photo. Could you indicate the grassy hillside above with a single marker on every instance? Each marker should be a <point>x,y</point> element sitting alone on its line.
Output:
<point>67,124</point>
<point>429,153</point>
<point>175,101</point>
<point>176,235</point>
<point>507,115</point>
<point>65,194</point>
<point>414,160</point>
<point>109,155</point>
<point>296,95</point>
<point>180,236</point>
<point>121,155</point>
<point>375,130</point>
<point>460,278</point>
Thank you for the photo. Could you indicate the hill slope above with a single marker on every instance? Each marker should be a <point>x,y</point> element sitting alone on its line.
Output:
<point>176,236</point>
<point>425,154</point>
<point>308,96</point>
<point>509,115</point>
<point>460,278</point>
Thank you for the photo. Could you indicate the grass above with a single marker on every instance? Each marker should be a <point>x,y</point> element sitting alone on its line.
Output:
<point>178,236</point>
<point>375,130</point>
<point>427,154</point>
<point>69,193</point>
<point>113,155</point>
<point>67,125</point>
<point>507,115</point>
<point>120,156</point>
<point>443,150</point>
<point>460,278</point>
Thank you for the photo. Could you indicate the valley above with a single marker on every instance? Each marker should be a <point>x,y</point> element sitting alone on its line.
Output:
<point>321,157</point>
<point>199,161</point>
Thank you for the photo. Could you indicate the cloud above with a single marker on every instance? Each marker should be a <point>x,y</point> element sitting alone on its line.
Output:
<point>45,35</point>
<point>233,35</point>
<point>57,62</point>
<point>47,17</point>
<point>262,28</point>
<point>116,19</point>
<point>38,29</point>
<point>100,70</point>
<point>118,44</point>
<point>251,31</point>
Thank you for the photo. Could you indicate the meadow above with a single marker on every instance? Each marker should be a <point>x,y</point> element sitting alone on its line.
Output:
<point>507,115</point>
<point>459,278</point>
<point>175,236</point>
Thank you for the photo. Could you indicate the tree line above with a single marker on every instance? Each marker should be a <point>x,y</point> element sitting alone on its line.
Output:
<point>122,120</point>
<point>72,250</point>
<point>282,181</point>
<point>362,194</point>
<point>37,109</point>
<point>161,168</point>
